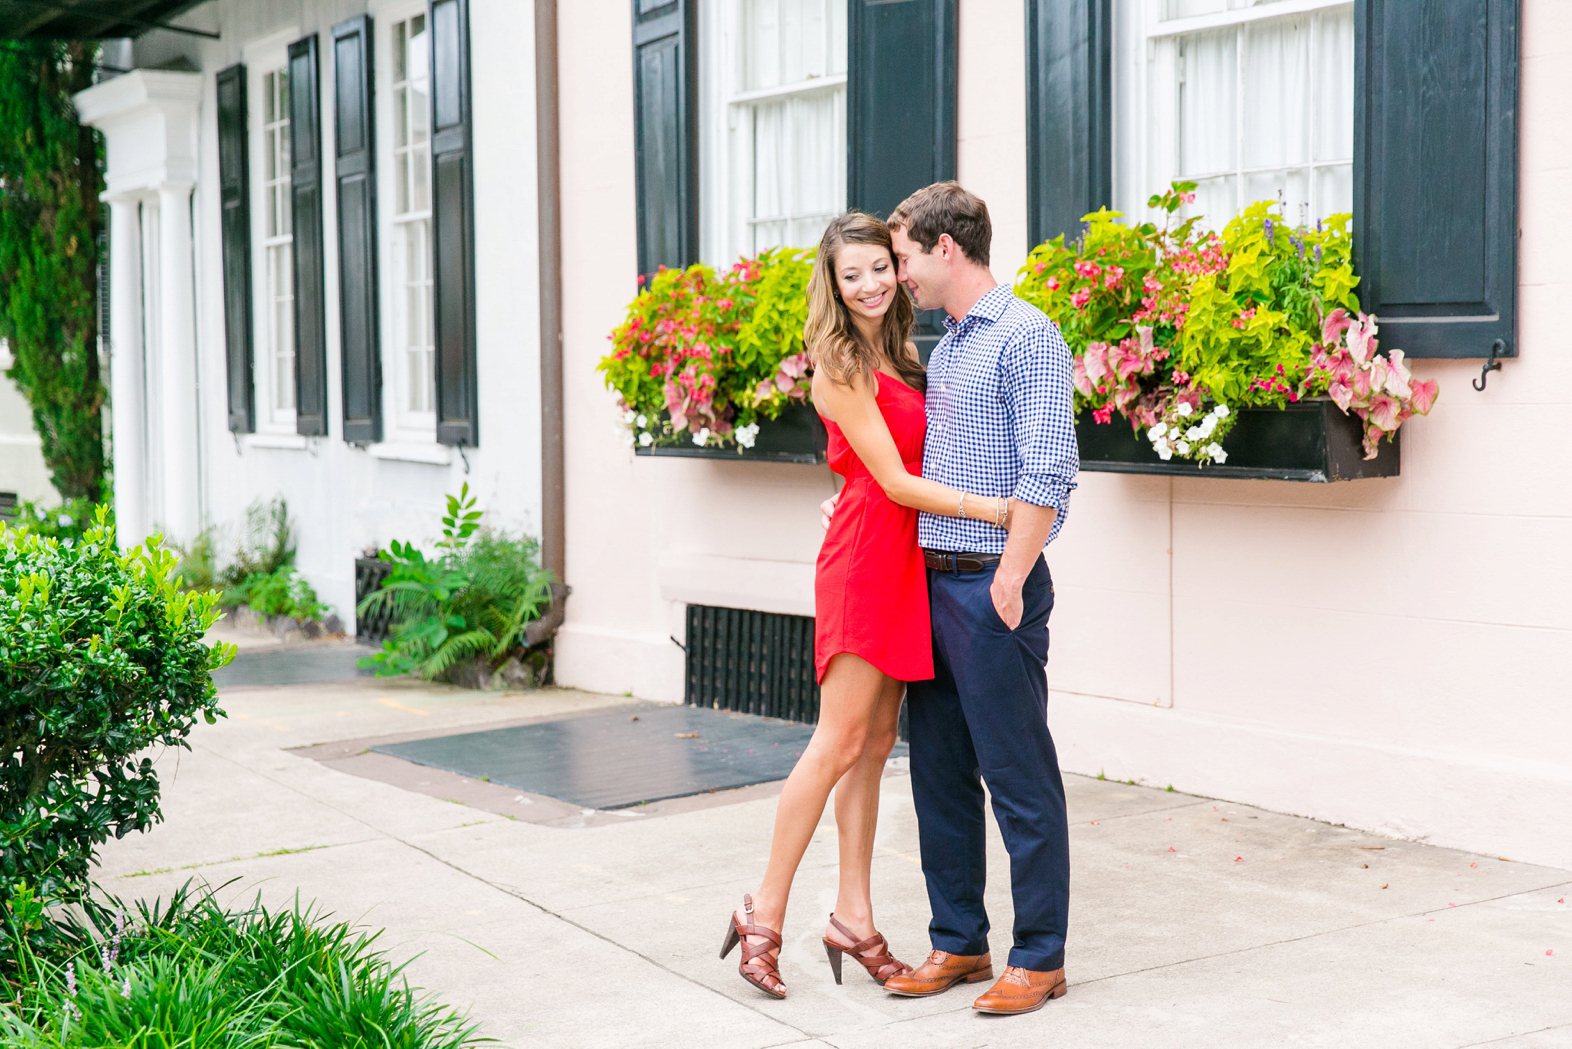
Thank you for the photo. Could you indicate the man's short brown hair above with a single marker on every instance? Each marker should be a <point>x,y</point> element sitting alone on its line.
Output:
<point>945,207</point>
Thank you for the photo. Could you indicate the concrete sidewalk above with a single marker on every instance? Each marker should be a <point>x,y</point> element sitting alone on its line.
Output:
<point>1195,923</point>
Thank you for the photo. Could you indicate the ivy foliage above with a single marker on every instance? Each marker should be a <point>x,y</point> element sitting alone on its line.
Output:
<point>101,658</point>
<point>50,218</point>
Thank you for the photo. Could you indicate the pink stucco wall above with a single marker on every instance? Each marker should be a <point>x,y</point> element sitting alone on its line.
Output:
<point>1391,654</point>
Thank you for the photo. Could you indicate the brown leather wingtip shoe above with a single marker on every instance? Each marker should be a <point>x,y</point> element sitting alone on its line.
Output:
<point>1022,991</point>
<point>941,971</point>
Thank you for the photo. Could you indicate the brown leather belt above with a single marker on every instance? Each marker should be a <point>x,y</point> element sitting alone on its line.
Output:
<point>957,561</point>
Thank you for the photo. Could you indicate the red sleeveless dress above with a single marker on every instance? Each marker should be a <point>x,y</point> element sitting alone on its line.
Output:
<point>870,589</point>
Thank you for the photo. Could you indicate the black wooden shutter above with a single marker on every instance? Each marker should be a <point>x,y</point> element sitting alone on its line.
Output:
<point>900,100</point>
<point>305,146</point>
<point>1435,173</point>
<point>355,171</point>
<point>452,222</point>
<point>900,110</point>
<point>234,191</point>
<point>1069,114</point>
<point>665,103</point>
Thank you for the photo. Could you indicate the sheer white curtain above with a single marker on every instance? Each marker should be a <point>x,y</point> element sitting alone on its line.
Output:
<point>779,77</point>
<point>1247,103</point>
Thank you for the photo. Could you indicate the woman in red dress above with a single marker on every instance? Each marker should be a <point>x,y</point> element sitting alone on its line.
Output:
<point>870,592</point>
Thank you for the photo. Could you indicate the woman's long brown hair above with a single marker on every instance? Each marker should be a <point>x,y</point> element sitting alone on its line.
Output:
<point>833,341</point>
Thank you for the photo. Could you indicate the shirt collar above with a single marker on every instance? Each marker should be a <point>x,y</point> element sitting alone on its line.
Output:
<point>989,308</point>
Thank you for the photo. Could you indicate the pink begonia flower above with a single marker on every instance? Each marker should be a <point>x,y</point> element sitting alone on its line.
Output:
<point>1053,284</point>
<point>1080,298</point>
<point>1103,414</point>
<point>1089,270</point>
<point>1079,377</point>
<point>1114,275</point>
<point>1424,395</point>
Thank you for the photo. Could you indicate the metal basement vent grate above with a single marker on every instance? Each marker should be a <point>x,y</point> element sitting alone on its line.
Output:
<point>753,662</point>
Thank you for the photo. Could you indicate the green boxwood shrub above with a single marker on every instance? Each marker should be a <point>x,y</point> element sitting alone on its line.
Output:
<point>101,658</point>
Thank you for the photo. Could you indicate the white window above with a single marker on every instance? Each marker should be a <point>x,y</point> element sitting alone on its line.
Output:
<point>1250,99</point>
<point>275,368</point>
<point>775,123</point>
<point>412,345</point>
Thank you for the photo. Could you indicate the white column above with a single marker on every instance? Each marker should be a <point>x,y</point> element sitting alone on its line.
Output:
<point>177,408</point>
<point>126,377</point>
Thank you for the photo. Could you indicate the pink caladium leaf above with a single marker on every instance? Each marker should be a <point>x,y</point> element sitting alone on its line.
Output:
<point>1424,396</point>
<point>1384,411</point>
<point>1096,358</point>
<point>1083,384</point>
<point>1342,395</point>
<point>1398,377</point>
<point>1334,325</point>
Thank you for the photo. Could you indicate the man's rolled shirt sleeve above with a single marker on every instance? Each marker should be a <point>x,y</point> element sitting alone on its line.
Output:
<point>1038,394</point>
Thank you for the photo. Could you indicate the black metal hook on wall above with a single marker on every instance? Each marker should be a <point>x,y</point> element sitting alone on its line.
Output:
<point>1492,365</point>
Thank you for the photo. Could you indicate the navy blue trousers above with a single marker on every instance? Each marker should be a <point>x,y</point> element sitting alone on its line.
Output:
<point>984,719</point>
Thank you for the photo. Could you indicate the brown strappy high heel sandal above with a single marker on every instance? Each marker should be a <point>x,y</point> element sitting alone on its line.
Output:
<point>873,954</point>
<point>756,965</point>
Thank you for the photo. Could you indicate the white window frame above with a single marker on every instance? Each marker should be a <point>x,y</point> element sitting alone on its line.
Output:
<point>401,425</point>
<point>1146,148</point>
<point>267,56</point>
<point>725,118</point>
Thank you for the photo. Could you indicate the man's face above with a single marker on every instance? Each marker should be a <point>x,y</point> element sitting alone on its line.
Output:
<point>925,274</point>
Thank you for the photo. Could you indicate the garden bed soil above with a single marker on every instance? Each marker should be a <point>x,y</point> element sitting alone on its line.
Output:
<point>1312,440</point>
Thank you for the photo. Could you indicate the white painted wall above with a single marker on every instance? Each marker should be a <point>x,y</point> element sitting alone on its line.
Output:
<point>1391,654</point>
<point>22,468</point>
<point>345,498</point>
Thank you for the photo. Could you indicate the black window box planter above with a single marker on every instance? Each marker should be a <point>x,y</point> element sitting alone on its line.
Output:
<point>797,436</point>
<point>1309,441</point>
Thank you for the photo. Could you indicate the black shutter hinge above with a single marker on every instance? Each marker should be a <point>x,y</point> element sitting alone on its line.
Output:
<point>1492,365</point>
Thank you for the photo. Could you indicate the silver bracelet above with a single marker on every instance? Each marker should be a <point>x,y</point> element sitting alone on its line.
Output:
<point>961,506</point>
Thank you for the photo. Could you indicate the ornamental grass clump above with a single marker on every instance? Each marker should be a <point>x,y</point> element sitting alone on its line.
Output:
<point>101,659</point>
<point>703,357</point>
<point>1175,328</point>
<point>193,975</point>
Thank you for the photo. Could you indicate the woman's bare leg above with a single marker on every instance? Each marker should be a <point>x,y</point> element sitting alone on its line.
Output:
<point>857,813</point>
<point>848,697</point>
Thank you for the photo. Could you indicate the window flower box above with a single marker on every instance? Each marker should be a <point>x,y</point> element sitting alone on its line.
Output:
<point>796,436</point>
<point>1311,440</point>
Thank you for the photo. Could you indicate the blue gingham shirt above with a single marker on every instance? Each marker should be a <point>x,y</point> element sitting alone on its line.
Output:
<point>1000,421</point>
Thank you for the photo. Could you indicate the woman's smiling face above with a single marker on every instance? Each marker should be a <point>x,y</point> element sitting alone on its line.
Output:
<point>865,277</point>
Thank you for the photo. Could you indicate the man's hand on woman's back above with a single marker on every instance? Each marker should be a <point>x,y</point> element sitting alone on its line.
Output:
<point>827,511</point>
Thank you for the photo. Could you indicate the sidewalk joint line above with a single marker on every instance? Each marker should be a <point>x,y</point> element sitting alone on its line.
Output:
<point>519,896</point>
<point>1520,1034</point>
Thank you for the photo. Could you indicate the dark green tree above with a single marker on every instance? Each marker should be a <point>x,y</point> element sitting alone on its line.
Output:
<point>50,218</point>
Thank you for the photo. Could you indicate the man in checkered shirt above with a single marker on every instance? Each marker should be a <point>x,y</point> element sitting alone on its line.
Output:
<point>999,423</point>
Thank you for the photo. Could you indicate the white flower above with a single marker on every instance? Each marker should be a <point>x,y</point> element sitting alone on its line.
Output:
<point>1221,411</point>
<point>1156,432</point>
<point>1183,447</point>
<point>1165,450</point>
<point>645,440</point>
<point>1208,424</point>
<point>1184,409</point>
<point>125,988</point>
<point>628,417</point>
<point>702,436</point>
<point>1194,433</point>
<point>1215,450</point>
<point>642,421</point>
<point>747,434</point>
<point>66,521</point>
